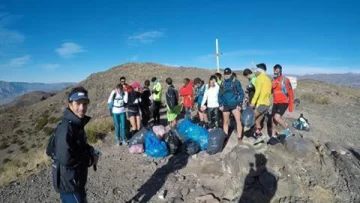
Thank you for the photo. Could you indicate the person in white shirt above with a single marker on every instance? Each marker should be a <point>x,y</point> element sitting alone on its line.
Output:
<point>117,100</point>
<point>211,98</point>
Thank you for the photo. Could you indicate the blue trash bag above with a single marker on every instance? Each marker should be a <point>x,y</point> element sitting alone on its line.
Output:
<point>248,117</point>
<point>155,147</point>
<point>194,133</point>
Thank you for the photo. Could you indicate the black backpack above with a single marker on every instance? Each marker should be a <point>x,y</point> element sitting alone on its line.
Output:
<point>172,99</point>
<point>50,149</point>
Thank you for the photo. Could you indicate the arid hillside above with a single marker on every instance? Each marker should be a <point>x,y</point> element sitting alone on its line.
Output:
<point>332,111</point>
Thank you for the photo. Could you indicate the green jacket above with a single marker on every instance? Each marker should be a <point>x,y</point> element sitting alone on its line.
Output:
<point>157,95</point>
<point>253,79</point>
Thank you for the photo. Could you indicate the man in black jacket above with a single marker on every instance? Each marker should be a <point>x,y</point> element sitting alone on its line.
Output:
<point>145,103</point>
<point>172,103</point>
<point>72,154</point>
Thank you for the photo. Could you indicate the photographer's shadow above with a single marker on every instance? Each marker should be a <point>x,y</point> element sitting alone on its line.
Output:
<point>157,180</point>
<point>260,185</point>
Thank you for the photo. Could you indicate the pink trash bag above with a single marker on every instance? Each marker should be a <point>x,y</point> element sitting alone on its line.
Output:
<point>159,131</point>
<point>137,149</point>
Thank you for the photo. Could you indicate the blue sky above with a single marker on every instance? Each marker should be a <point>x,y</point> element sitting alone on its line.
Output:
<point>58,41</point>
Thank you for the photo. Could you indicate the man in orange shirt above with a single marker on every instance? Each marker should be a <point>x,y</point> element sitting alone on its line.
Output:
<point>283,99</point>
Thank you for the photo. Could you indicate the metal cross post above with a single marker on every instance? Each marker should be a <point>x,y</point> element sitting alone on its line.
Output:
<point>217,56</point>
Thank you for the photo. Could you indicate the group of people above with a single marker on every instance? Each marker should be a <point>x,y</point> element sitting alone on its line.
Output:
<point>216,100</point>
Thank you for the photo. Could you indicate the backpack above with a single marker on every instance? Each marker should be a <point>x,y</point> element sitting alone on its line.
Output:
<point>114,96</point>
<point>50,149</point>
<point>283,86</point>
<point>233,86</point>
<point>172,102</point>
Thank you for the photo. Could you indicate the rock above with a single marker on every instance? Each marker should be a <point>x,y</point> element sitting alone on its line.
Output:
<point>194,156</point>
<point>185,192</point>
<point>176,200</point>
<point>210,198</point>
<point>162,194</point>
<point>238,160</point>
<point>332,147</point>
<point>300,147</point>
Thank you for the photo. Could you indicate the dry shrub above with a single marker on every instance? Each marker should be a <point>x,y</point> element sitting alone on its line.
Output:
<point>98,129</point>
<point>22,166</point>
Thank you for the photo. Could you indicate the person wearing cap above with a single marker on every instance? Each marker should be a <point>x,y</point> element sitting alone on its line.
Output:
<point>283,97</point>
<point>134,100</point>
<point>117,100</point>
<point>187,95</point>
<point>200,91</point>
<point>157,97</point>
<point>230,99</point>
<point>261,99</point>
<point>72,154</point>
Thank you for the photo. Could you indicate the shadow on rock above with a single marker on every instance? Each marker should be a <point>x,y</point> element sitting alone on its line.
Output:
<point>260,185</point>
<point>157,180</point>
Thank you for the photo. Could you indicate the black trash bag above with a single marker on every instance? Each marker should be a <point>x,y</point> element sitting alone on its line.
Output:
<point>139,137</point>
<point>216,141</point>
<point>172,142</point>
<point>248,117</point>
<point>175,132</point>
<point>190,147</point>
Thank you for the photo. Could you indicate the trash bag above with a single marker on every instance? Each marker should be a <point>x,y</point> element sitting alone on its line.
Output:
<point>190,147</point>
<point>193,132</point>
<point>159,131</point>
<point>154,147</point>
<point>175,132</point>
<point>172,142</point>
<point>136,149</point>
<point>301,123</point>
<point>139,137</point>
<point>216,141</point>
<point>248,117</point>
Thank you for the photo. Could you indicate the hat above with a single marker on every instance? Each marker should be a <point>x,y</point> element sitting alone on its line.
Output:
<point>76,96</point>
<point>227,71</point>
<point>135,85</point>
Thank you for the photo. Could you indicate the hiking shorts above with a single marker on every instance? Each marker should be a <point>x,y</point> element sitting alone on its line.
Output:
<point>279,109</point>
<point>229,108</point>
<point>262,109</point>
<point>133,113</point>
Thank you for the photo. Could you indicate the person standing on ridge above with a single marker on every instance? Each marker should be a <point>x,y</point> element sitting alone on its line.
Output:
<point>250,89</point>
<point>211,99</point>
<point>71,154</point>
<point>172,103</point>
<point>187,94</point>
<point>134,100</point>
<point>261,99</point>
<point>283,99</point>
<point>157,97</point>
<point>145,103</point>
<point>117,100</point>
<point>201,88</point>
<point>230,98</point>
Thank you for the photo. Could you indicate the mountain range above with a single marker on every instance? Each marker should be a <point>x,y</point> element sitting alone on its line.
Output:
<point>11,90</point>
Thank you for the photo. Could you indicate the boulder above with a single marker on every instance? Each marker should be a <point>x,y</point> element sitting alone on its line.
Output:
<point>300,147</point>
<point>237,162</point>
